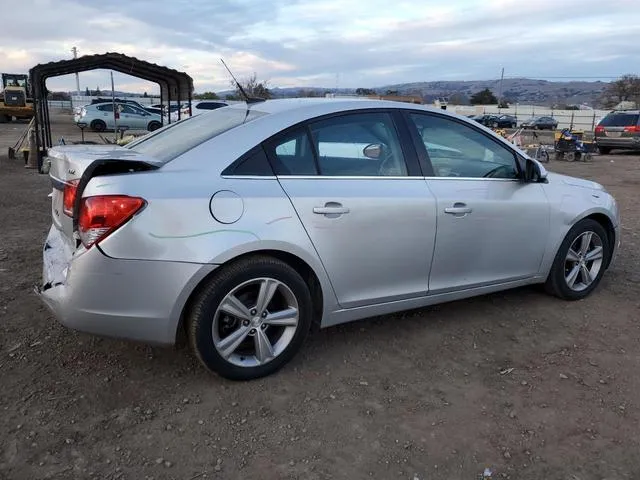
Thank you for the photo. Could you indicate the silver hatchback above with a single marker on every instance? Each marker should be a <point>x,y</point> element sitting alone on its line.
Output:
<point>241,228</point>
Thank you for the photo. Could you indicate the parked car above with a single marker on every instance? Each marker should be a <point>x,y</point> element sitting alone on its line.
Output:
<point>240,229</point>
<point>124,100</point>
<point>202,106</point>
<point>505,121</point>
<point>99,117</point>
<point>541,123</point>
<point>618,129</point>
<point>485,119</point>
<point>493,120</point>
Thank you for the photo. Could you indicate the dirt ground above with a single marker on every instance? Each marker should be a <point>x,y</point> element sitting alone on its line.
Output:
<point>525,384</point>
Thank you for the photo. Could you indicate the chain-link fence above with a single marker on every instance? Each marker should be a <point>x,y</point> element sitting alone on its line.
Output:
<point>574,119</point>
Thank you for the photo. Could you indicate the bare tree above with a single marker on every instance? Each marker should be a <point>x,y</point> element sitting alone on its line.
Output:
<point>626,88</point>
<point>253,87</point>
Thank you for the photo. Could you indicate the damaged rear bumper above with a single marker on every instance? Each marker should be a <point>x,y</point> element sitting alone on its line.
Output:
<point>132,299</point>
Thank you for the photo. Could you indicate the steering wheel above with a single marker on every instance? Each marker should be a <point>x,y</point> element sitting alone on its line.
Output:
<point>493,173</point>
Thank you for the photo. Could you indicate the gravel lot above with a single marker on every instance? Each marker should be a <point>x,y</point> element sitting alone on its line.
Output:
<point>528,385</point>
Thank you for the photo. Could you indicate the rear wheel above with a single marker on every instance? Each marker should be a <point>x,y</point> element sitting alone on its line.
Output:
<point>98,126</point>
<point>604,150</point>
<point>153,126</point>
<point>580,261</point>
<point>250,319</point>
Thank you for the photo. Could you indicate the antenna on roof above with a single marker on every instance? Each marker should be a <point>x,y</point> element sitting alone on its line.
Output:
<point>247,98</point>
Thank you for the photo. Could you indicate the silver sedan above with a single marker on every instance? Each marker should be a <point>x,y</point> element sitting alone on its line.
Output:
<point>241,228</point>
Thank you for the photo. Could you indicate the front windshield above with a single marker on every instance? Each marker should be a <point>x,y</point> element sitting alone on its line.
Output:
<point>175,139</point>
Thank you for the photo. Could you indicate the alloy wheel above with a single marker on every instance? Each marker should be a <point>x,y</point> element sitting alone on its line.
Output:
<point>255,322</point>
<point>583,261</point>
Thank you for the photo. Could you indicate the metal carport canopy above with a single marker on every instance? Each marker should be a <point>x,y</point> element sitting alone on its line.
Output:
<point>174,85</point>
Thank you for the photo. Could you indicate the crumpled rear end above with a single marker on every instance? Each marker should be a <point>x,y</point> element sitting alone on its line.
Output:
<point>131,299</point>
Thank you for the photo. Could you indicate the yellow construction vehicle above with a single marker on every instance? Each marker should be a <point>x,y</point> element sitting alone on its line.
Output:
<point>15,98</point>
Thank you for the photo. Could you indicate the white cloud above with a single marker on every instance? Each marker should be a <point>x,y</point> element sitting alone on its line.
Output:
<point>306,42</point>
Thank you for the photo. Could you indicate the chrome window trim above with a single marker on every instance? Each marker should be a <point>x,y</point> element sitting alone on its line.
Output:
<point>364,177</point>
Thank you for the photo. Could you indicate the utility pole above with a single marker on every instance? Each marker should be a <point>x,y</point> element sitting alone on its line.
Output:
<point>500,89</point>
<point>74,50</point>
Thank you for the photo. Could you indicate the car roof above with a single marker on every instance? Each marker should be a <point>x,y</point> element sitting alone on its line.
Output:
<point>316,106</point>
<point>630,112</point>
<point>281,114</point>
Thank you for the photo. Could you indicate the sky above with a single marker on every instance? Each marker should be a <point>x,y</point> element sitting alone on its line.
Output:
<point>329,43</point>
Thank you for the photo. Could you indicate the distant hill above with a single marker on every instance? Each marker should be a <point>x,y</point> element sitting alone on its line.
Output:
<point>521,90</point>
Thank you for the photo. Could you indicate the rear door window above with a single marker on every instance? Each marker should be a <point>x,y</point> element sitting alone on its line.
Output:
<point>341,142</point>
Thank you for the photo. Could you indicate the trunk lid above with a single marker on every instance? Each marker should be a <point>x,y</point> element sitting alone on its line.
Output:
<point>69,164</point>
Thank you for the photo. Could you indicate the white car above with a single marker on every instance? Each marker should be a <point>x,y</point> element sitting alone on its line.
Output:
<point>202,106</point>
<point>99,117</point>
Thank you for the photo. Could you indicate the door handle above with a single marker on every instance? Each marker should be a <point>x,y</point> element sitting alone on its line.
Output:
<point>458,208</point>
<point>331,208</point>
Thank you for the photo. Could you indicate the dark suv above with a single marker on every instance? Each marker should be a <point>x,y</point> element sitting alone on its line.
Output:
<point>619,129</point>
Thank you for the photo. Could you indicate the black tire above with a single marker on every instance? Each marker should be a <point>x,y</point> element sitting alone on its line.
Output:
<point>556,283</point>
<point>604,150</point>
<point>153,126</point>
<point>201,315</point>
<point>98,126</point>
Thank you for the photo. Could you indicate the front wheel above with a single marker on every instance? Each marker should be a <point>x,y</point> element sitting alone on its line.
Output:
<point>580,261</point>
<point>250,319</point>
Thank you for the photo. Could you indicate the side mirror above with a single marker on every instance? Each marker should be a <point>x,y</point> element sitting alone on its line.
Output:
<point>534,171</point>
<point>373,151</point>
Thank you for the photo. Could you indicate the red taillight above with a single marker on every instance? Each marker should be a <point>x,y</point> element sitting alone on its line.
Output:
<point>69,196</point>
<point>632,129</point>
<point>599,129</point>
<point>103,214</point>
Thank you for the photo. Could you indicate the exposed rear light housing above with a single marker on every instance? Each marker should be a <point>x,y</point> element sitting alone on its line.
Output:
<point>69,196</point>
<point>101,215</point>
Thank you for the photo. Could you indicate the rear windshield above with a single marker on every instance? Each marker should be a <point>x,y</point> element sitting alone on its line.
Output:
<point>175,139</point>
<point>620,120</point>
